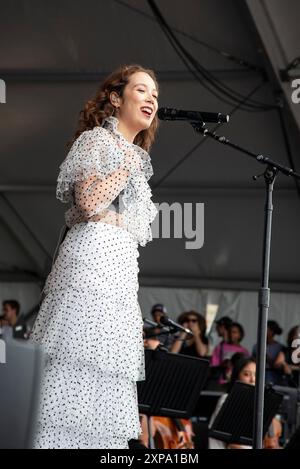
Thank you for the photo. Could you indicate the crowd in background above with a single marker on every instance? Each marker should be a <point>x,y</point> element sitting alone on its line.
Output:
<point>229,361</point>
<point>279,359</point>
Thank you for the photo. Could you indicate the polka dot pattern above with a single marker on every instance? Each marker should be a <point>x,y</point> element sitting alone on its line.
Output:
<point>90,326</point>
<point>90,323</point>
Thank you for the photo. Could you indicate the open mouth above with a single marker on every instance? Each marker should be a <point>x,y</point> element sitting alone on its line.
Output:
<point>147,111</point>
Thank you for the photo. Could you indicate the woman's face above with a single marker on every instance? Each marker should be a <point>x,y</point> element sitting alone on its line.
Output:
<point>139,103</point>
<point>191,322</point>
<point>235,334</point>
<point>157,315</point>
<point>247,374</point>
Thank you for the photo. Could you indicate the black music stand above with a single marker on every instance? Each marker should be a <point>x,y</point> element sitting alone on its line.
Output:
<point>288,409</point>
<point>202,415</point>
<point>206,404</point>
<point>172,387</point>
<point>234,422</point>
<point>294,442</point>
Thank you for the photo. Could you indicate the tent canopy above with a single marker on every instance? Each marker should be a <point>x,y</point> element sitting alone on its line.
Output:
<point>54,55</point>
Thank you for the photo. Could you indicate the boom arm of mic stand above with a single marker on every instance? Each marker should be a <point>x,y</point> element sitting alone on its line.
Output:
<point>200,128</point>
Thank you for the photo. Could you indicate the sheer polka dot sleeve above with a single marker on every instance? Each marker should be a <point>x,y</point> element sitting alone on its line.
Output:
<point>104,178</point>
<point>94,195</point>
<point>93,174</point>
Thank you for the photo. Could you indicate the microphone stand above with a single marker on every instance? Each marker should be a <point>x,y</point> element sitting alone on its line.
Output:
<point>154,325</point>
<point>270,173</point>
<point>165,330</point>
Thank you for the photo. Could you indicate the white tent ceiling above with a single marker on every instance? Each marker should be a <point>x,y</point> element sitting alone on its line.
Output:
<point>52,57</point>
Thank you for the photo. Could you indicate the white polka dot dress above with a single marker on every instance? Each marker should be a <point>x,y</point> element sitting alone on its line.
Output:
<point>90,323</point>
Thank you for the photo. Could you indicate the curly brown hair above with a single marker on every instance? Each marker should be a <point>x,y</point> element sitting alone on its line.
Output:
<point>99,107</point>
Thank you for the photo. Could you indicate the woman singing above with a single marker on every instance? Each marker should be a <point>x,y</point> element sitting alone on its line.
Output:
<point>90,322</point>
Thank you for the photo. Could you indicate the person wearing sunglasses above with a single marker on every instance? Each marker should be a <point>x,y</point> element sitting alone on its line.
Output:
<point>195,345</point>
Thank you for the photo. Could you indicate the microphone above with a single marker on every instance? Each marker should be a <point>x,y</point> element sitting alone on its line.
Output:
<point>151,323</point>
<point>170,114</point>
<point>166,321</point>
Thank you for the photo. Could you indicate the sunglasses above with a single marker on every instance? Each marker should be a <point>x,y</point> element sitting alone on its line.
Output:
<point>189,320</point>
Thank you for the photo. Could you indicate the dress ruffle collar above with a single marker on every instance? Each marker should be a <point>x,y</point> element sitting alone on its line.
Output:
<point>111,123</point>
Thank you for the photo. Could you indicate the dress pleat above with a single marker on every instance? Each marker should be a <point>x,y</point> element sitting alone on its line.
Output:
<point>90,327</point>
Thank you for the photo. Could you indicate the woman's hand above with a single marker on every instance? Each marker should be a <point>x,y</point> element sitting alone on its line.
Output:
<point>177,344</point>
<point>132,161</point>
<point>182,336</point>
<point>281,364</point>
